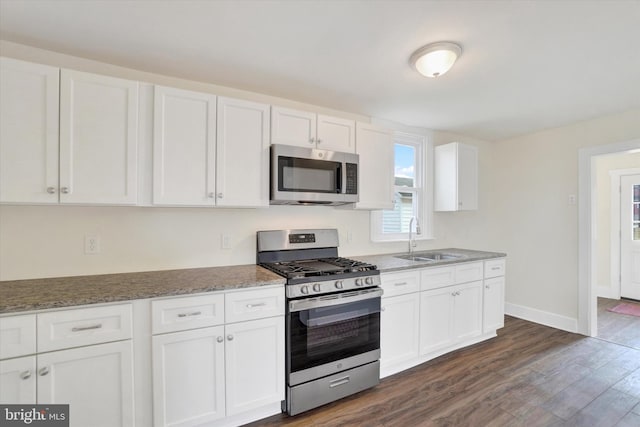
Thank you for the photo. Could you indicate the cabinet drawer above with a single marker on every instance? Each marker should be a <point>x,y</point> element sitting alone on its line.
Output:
<point>84,326</point>
<point>400,283</point>
<point>494,268</point>
<point>469,272</point>
<point>254,304</point>
<point>179,314</point>
<point>17,336</point>
<point>437,277</point>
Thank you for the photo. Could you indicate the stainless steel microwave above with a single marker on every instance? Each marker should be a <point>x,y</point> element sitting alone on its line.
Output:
<point>308,176</point>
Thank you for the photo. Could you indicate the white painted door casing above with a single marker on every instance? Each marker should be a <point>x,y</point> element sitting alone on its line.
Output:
<point>184,147</point>
<point>242,153</point>
<point>98,139</point>
<point>96,381</point>
<point>374,145</point>
<point>29,132</point>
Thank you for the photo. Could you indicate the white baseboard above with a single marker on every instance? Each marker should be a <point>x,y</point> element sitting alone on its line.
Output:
<point>606,292</point>
<point>542,317</point>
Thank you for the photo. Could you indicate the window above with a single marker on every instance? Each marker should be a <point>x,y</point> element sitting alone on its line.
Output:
<point>411,194</point>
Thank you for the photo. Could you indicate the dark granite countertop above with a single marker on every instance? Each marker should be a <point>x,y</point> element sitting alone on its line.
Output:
<point>39,294</point>
<point>389,262</point>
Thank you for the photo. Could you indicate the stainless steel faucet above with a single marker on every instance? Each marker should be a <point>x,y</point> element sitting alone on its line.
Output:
<point>412,242</point>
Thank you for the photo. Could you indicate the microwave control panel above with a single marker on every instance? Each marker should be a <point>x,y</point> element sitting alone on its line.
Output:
<point>352,179</point>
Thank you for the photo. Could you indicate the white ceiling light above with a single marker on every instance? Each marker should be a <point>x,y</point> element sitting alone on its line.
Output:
<point>435,59</point>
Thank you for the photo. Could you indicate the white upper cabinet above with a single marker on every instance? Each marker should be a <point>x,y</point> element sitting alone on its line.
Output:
<point>184,151</point>
<point>98,139</point>
<point>456,177</point>
<point>305,129</point>
<point>375,179</point>
<point>28,132</point>
<point>242,173</point>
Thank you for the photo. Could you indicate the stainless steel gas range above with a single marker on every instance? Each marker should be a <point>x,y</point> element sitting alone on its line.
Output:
<point>332,316</point>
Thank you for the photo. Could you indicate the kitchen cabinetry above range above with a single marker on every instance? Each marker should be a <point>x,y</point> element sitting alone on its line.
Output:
<point>306,129</point>
<point>66,136</point>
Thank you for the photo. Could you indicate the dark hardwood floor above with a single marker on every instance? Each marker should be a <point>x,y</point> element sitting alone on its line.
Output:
<point>530,375</point>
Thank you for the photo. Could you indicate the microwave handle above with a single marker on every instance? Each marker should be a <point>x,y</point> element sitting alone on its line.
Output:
<point>342,185</point>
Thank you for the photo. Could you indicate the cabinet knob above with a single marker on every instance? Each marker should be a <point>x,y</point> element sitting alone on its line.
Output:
<point>319,141</point>
<point>230,337</point>
<point>220,339</point>
<point>211,195</point>
<point>25,375</point>
<point>43,371</point>
<point>51,190</point>
<point>312,140</point>
<point>64,190</point>
<point>383,308</point>
<point>220,195</point>
<point>487,287</point>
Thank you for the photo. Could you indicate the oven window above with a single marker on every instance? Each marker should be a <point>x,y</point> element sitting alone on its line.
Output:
<point>328,334</point>
<point>304,175</point>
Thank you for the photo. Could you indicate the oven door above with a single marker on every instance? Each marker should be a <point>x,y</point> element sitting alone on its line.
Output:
<point>332,333</point>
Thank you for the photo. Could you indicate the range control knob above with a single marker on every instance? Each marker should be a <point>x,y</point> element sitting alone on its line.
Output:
<point>316,287</point>
<point>304,289</point>
<point>339,284</point>
<point>369,280</point>
<point>359,282</point>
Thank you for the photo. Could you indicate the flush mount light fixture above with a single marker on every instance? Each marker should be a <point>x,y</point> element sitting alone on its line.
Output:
<point>435,59</point>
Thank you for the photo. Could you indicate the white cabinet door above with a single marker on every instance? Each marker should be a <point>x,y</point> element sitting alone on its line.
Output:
<point>493,304</point>
<point>98,139</point>
<point>28,132</point>
<point>336,134</point>
<point>293,127</point>
<point>375,181</point>
<point>456,177</point>
<point>242,178</point>
<point>467,311</point>
<point>436,322</point>
<point>18,381</point>
<point>255,364</point>
<point>184,151</point>
<point>96,381</point>
<point>188,377</point>
<point>399,329</point>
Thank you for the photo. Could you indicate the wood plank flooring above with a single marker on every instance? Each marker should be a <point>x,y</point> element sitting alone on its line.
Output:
<point>618,328</point>
<point>530,375</point>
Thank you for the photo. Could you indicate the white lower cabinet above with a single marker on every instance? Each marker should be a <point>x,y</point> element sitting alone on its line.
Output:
<point>206,375</point>
<point>493,316</point>
<point>188,377</point>
<point>399,337</point>
<point>18,380</point>
<point>96,381</point>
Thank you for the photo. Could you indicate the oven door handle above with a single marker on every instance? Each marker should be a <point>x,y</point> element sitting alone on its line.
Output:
<point>336,299</point>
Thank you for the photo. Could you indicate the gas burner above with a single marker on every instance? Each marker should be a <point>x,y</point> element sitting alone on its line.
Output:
<point>318,267</point>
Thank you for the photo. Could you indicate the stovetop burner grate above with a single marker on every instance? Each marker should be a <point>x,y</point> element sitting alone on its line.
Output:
<point>318,267</point>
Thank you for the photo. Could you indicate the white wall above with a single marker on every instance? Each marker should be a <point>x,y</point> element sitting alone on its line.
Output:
<point>604,165</point>
<point>535,224</point>
<point>48,241</point>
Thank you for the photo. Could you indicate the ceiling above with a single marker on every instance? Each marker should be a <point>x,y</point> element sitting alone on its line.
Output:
<point>526,65</point>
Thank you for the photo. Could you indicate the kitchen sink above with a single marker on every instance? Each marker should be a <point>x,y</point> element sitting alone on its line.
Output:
<point>430,256</point>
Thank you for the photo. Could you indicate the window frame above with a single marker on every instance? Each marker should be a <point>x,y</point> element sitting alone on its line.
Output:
<point>423,189</point>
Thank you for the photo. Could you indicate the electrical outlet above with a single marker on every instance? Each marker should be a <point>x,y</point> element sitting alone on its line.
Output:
<point>225,241</point>
<point>92,245</point>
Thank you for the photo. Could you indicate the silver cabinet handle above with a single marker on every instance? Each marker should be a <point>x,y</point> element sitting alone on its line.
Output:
<point>86,328</point>
<point>487,287</point>
<point>339,381</point>
<point>453,294</point>
<point>25,375</point>
<point>51,190</point>
<point>220,339</point>
<point>230,337</point>
<point>319,141</point>
<point>312,140</point>
<point>43,371</point>
<point>495,268</point>
<point>383,308</point>
<point>220,195</point>
<point>260,304</point>
<point>195,313</point>
<point>64,190</point>
<point>400,284</point>
<point>211,195</point>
